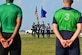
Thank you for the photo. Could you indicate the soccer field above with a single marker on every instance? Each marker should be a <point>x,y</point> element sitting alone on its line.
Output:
<point>35,46</point>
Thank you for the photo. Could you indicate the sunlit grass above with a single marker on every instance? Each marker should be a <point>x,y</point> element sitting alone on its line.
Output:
<point>35,46</point>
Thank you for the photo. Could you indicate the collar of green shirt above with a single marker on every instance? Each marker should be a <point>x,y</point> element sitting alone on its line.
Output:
<point>9,3</point>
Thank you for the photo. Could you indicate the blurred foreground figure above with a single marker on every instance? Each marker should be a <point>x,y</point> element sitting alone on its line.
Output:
<point>10,19</point>
<point>67,26</point>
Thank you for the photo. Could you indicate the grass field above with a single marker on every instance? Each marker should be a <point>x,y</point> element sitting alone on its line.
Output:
<point>35,46</point>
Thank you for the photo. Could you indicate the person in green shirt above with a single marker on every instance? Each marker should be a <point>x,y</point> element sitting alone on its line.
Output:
<point>10,23</point>
<point>67,27</point>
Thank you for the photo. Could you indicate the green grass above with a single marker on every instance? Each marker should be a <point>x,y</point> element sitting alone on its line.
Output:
<point>81,44</point>
<point>35,46</point>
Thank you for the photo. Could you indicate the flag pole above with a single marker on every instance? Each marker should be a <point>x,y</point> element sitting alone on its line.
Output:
<point>36,15</point>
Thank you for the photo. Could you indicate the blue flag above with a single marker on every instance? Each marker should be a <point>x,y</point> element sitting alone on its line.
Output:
<point>43,13</point>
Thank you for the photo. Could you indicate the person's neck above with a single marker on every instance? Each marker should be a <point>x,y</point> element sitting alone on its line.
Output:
<point>67,6</point>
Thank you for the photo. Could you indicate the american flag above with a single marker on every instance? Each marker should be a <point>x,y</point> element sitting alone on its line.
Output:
<point>36,14</point>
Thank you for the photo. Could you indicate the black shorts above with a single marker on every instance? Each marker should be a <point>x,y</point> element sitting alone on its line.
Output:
<point>15,48</point>
<point>74,49</point>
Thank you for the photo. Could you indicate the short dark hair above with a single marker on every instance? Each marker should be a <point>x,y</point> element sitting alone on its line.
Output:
<point>71,1</point>
<point>9,0</point>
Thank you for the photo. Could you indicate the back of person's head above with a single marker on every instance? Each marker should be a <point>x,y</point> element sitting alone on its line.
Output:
<point>68,1</point>
<point>9,0</point>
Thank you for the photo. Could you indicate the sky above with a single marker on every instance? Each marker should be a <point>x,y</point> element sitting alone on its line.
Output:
<point>50,6</point>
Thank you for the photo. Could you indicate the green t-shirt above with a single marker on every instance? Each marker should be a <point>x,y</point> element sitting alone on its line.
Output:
<point>9,12</point>
<point>67,19</point>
